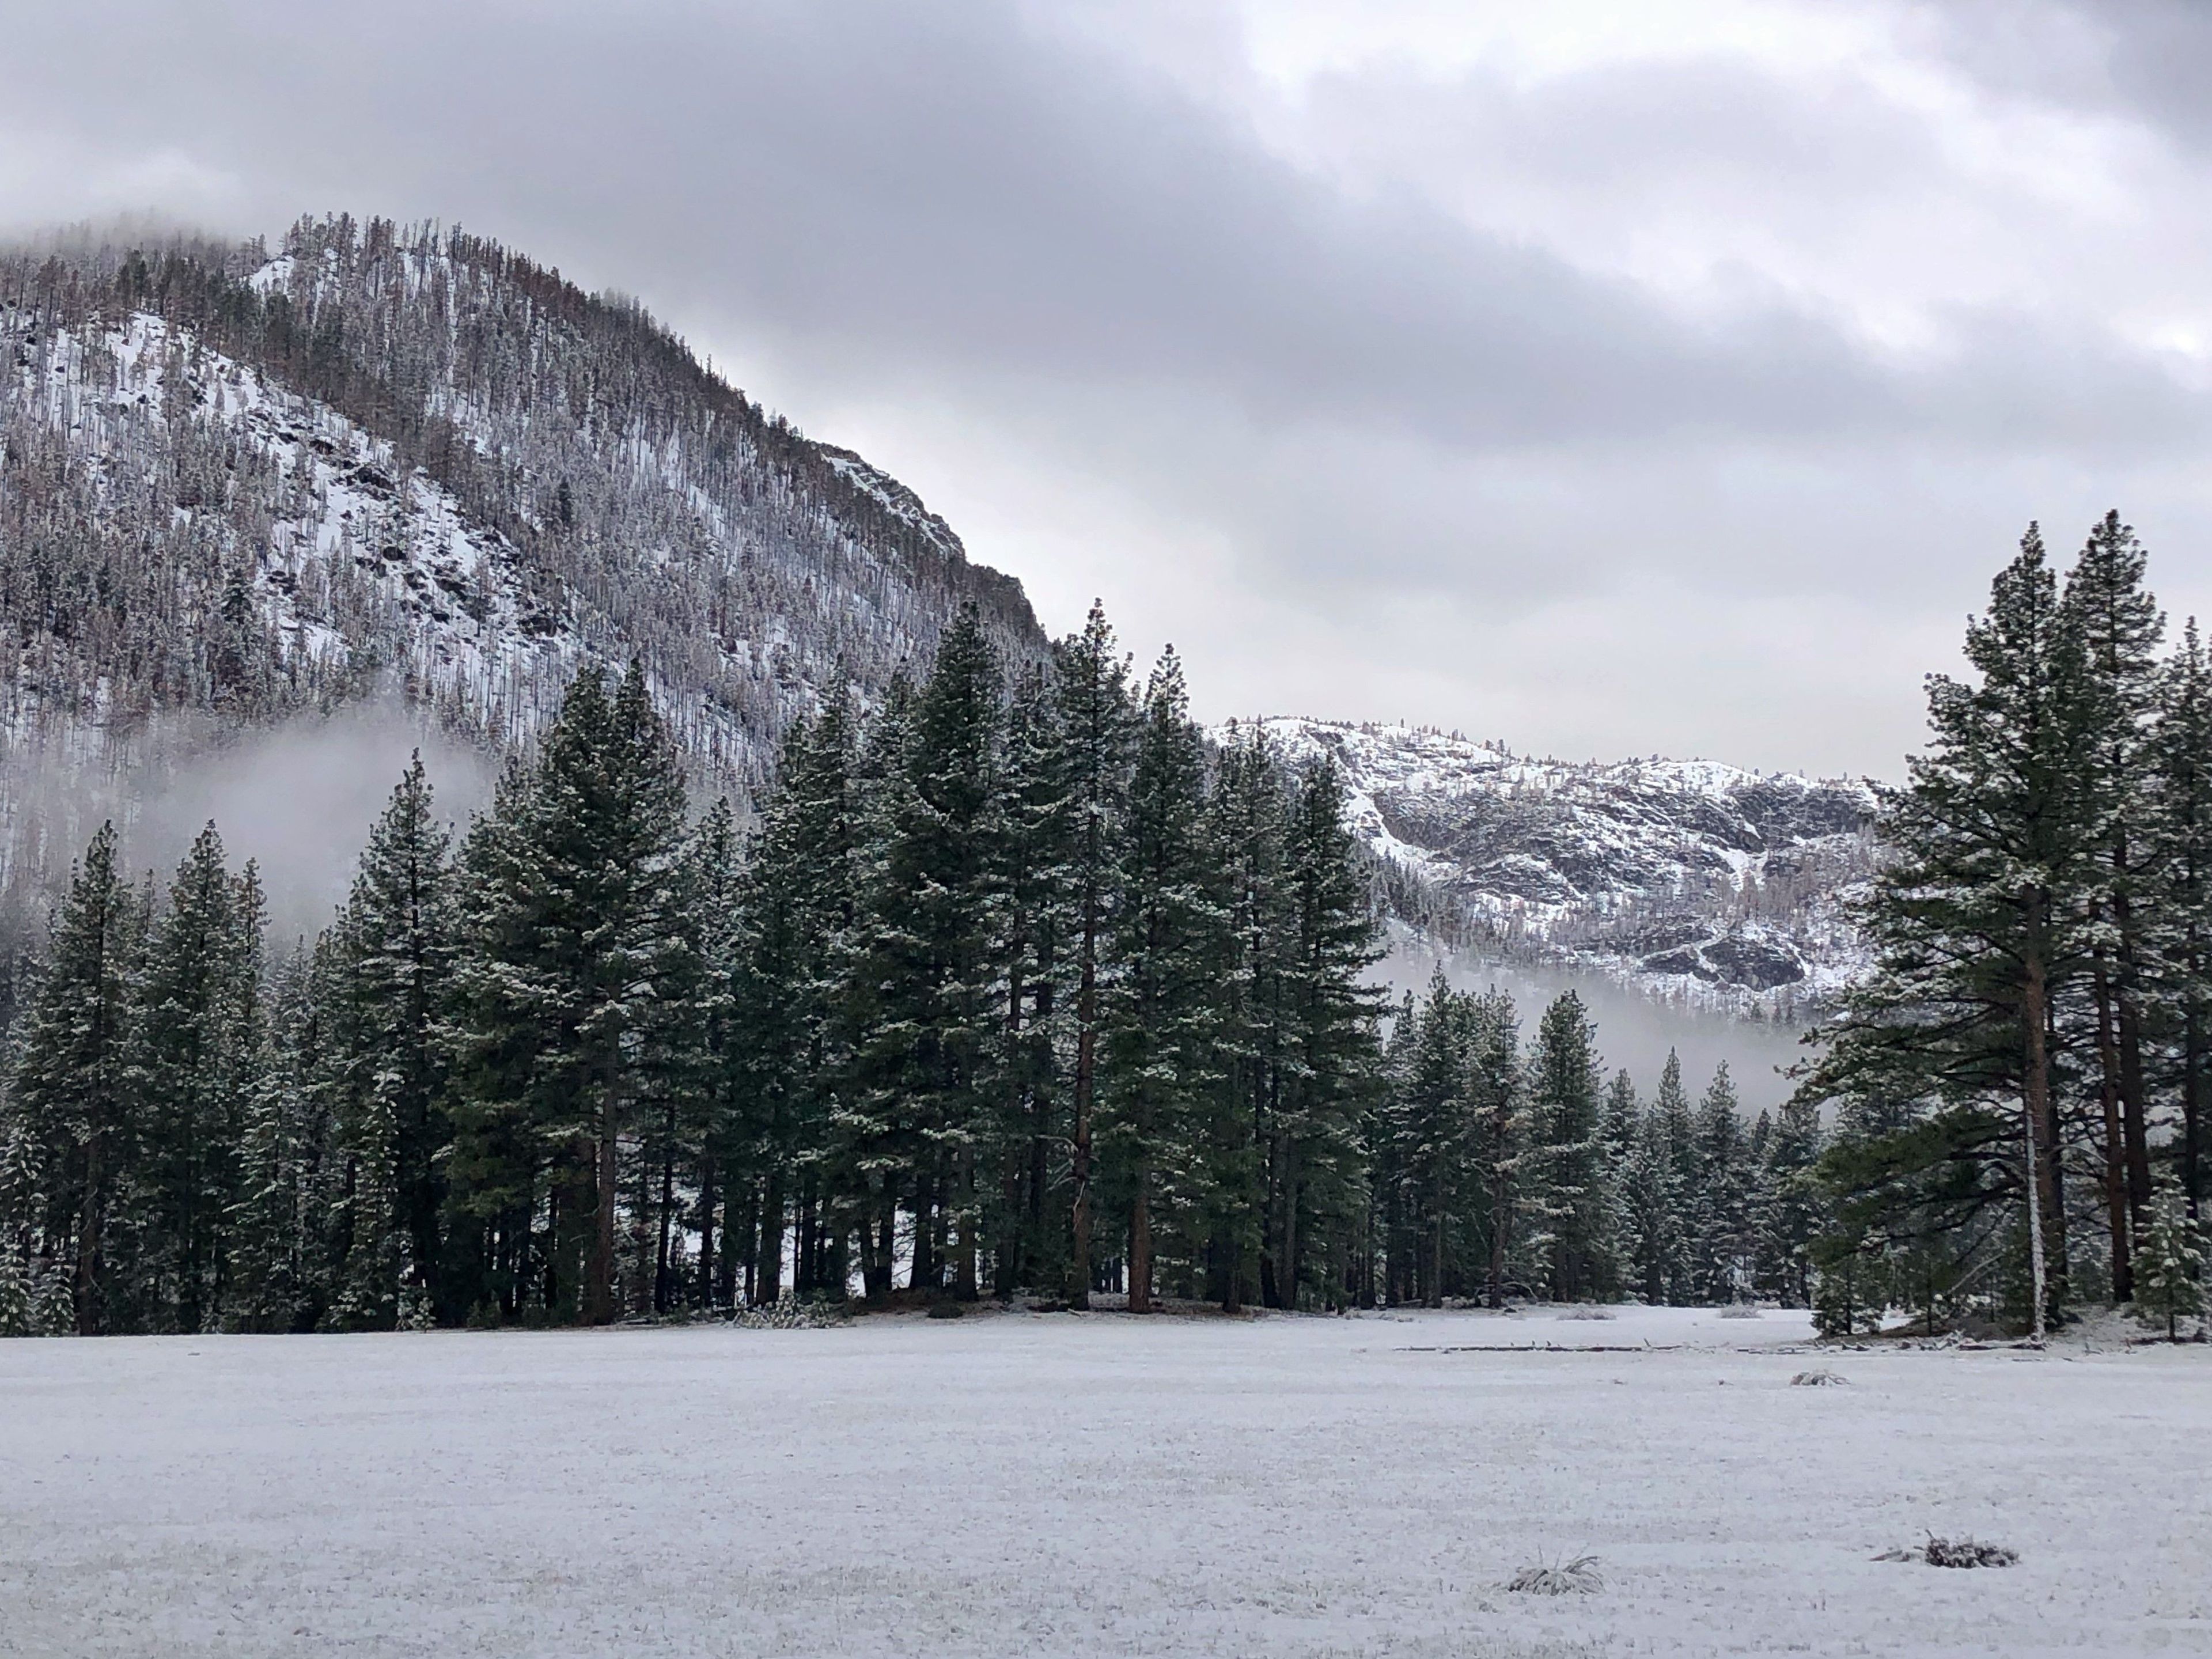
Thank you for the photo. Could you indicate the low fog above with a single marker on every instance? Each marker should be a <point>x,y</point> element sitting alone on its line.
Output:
<point>1634,1030</point>
<point>299,801</point>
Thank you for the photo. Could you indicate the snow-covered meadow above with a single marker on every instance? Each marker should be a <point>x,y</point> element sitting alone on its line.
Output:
<point>1012,1483</point>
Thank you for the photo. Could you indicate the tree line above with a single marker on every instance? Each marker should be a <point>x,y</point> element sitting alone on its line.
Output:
<point>1503,1174</point>
<point>2020,1086</point>
<point>1014,982</point>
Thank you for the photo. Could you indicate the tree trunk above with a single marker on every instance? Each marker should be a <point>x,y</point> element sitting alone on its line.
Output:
<point>768,1251</point>
<point>1140,1243</point>
<point>1499,1193</point>
<point>2192,1111</point>
<point>1437,1253</point>
<point>2134,1106</point>
<point>663,1287</point>
<point>599,1294</point>
<point>1086,1072</point>
<point>88,1244</point>
<point>2108,1099</point>
<point>2035,1104</point>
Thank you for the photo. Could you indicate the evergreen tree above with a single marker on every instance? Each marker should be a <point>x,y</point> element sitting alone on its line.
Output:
<point>1089,766</point>
<point>1789,1213</point>
<point>2172,1268</point>
<point>1030,912</point>
<point>1159,1033</point>
<point>1720,1225</point>
<point>1498,1125</point>
<point>2118,626</point>
<point>1246,819</point>
<point>73,1117</point>
<point>196,1040</point>
<point>1316,1129</point>
<point>1951,1036</point>
<point>391,970</point>
<point>570,892</point>
<point>1575,1197</point>
<point>921,1074</point>
<point>282,1218</point>
<point>2181,916</point>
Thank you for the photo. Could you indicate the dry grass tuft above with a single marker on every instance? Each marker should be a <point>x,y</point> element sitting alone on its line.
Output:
<point>1579,1577</point>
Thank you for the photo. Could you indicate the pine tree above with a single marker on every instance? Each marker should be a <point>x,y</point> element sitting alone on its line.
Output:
<point>1789,1213</point>
<point>1720,1235</point>
<point>197,1034</point>
<point>72,1105</point>
<point>922,1071</point>
<point>1498,1129</point>
<point>1245,831</point>
<point>1030,914</point>
<point>1158,1037</point>
<point>1315,1128</point>
<point>22,1210</point>
<point>283,1277</point>
<point>2118,626</point>
<point>570,892</point>
<point>1976,936</point>
<point>1089,766</point>
<point>1576,1202</point>
<point>2171,1271</point>
<point>1428,1128</point>
<point>2181,917</point>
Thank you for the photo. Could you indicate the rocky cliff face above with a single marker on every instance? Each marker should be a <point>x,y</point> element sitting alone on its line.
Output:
<point>1684,877</point>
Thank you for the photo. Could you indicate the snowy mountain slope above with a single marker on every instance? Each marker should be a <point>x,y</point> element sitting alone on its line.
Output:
<point>1684,877</point>
<point>237,485</point>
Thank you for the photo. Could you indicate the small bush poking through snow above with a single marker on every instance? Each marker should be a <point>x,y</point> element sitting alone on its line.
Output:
<point>1955,1553</point>
<point>1739,1313</point>
<point>1579,1577</point>
<point>788,1316</point>
<point>1820,1378</point>
<point>1586,1313</point>
<point>946,1310</point>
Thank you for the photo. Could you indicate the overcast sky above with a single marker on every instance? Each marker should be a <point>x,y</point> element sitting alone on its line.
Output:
<point>1613,379</point>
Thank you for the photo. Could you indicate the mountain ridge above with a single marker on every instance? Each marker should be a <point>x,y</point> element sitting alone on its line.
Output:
<point>1692,879</point>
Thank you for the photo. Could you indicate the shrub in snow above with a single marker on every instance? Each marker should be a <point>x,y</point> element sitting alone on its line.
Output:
<point>1739,1313</point>
<point>1955,1553</point>
<point>1821,1378</point>
<point>946,1310</point>
<point>1579,1577</point>
<point>1586,1313</point>
<point>788,1315</point>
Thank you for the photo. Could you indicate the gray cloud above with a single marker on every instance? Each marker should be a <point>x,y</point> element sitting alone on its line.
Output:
<point>1347,403</point>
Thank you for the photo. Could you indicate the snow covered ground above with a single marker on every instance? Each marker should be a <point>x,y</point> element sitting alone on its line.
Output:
<point>1052,1485</point>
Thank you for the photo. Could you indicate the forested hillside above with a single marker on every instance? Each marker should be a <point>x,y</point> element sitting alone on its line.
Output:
<point>238,484</point>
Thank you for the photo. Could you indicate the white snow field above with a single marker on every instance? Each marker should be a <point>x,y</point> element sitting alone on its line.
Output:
<point>1054,1484</point>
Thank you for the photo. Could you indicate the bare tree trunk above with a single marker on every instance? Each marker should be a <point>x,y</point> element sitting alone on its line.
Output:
<point>1086,1073</point>
<point>2134,1103</point>
<point>662,1289</point>
<point>2108,1097</point>
<point>2035,1104</point>
<point>1436,1297</point>
<point>769,1274</point>
<point>1140,1243</point>
<point>2193,1109</point>
<point>88,1241</point>
<point>600,1295</point>
<point>707,1199</point>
